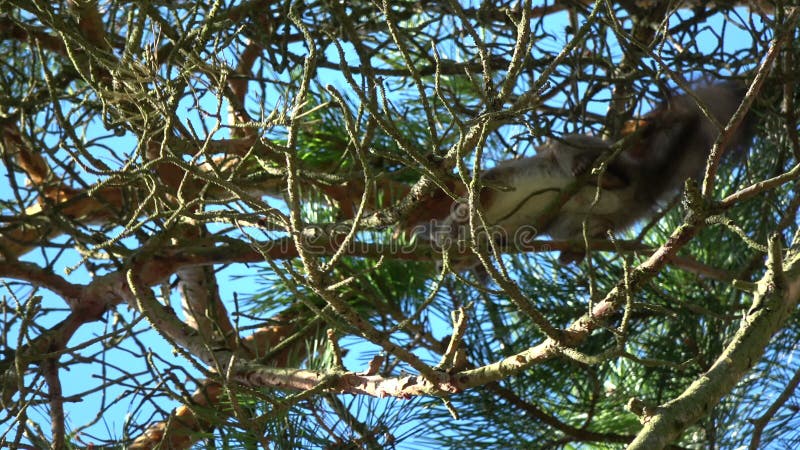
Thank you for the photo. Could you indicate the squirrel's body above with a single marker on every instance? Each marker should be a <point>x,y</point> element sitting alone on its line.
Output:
<point>671,145</point>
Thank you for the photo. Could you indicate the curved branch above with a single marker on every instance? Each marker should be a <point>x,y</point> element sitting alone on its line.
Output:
<point>774,302</point>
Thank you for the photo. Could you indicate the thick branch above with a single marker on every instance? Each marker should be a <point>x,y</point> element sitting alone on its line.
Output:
<point>776,299</point>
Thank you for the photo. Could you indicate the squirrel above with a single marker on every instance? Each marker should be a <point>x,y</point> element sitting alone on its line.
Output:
<point>669,145</point>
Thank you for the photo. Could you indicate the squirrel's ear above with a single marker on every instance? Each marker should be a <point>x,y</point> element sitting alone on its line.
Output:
<point>436,206</point>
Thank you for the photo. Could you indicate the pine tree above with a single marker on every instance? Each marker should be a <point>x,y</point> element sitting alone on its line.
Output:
<point>206,222</point>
